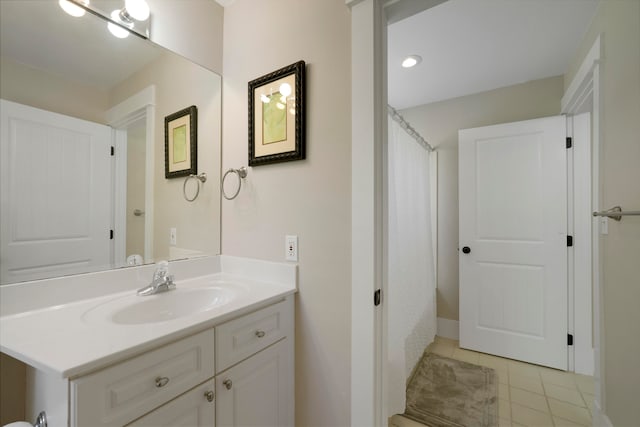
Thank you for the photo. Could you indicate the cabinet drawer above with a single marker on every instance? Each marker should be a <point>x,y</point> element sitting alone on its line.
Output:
<point>240,338</point>
<point>124,392</point>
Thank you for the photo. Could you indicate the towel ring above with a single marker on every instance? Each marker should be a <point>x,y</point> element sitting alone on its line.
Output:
<point>242,173</point>
<point>202,178</point>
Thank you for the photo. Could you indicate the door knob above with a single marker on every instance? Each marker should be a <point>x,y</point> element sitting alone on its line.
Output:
<point>466,249</point>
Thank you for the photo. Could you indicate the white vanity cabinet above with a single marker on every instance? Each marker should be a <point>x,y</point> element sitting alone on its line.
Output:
<point>194,408</point>
<point>254,375</point>
<point>240,372</point>
<point>119,394</point>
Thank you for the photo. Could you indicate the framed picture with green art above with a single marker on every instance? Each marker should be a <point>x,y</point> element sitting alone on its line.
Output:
<point>181,143</point>
<point>277,116</point>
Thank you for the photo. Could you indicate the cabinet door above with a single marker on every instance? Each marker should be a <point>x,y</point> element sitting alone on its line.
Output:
<point>195,408</point>
<point>258,391</point>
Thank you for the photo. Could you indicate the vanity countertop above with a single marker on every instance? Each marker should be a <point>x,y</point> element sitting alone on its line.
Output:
<point>70,340</point>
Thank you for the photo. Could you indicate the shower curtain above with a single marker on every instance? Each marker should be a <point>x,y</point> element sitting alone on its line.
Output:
<point>411,306</point>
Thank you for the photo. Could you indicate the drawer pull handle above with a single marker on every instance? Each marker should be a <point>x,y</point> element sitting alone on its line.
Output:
<point>209,395</point>
<point>260,334</point>
<point>161,381</point>
<point>228,384</point>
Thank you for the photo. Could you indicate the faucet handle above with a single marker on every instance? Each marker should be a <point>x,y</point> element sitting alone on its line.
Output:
<point>162,270</point>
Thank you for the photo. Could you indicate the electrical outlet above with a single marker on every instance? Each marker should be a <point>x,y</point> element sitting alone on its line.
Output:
<point>172,236</point>
<point>291,248</point>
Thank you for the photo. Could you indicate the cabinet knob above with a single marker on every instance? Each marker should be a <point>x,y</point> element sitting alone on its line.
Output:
<point>228,384</point>
<point>209,395</point>
<point>161,381</point>
<point>260,334</point>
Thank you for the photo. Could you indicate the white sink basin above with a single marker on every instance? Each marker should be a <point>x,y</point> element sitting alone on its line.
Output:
<point>162,307</point>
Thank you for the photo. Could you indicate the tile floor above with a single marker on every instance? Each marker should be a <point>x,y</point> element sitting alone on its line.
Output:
<point>530,395</point>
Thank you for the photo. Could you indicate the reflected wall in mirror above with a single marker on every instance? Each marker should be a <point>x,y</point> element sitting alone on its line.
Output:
<point>70,91</point>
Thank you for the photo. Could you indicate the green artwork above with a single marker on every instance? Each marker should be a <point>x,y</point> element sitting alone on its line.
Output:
<point>274,119</point>
<point>180,144</point>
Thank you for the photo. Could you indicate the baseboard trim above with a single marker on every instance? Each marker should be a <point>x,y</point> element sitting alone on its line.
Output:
<point>448,328</point>
<point>600,419</point>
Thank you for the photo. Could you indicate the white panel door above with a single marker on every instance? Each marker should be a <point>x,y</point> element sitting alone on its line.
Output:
<point>56,193</point>
<point>513,240</point>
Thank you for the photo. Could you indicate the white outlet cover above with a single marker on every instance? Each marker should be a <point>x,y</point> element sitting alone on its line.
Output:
<point>291,248</point>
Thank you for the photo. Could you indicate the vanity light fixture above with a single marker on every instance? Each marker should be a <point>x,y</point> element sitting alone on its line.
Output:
<point>118,30</point>
<point>137,9</point>
<point>73,9</point>
<point>411,61</point>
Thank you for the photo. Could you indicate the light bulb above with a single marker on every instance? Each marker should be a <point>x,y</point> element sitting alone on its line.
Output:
<point>116,30</point>
<point>73,9</point>
<point>411,61</point>
<point>285,89</point>
<point>138,9</point>
<point>264,98</point>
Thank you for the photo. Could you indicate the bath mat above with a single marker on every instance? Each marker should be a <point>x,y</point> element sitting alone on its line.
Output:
<point>445,392</point>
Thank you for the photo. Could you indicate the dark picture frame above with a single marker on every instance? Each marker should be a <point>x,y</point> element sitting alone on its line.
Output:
<point>277,116</point>
<point>181,143</point>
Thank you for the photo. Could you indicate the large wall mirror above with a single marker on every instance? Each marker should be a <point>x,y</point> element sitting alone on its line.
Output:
<point>70,92</point>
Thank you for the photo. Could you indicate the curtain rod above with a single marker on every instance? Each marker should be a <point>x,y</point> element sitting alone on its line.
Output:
<point>397,117</point>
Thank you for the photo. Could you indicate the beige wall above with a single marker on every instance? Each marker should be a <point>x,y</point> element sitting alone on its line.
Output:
<point>309,198</point>
<point>439,123</point>
<point>180,84</point>
<point>619,23</point>
<point>40,89</point>
<point>192,28</point>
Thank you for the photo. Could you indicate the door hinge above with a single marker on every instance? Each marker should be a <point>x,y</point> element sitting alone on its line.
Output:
<point>110,234</point>
<point>569,142</point>
<point>113,150</point>
<point>377,297</point>
<point>569,339</point>
<point>569,241</point>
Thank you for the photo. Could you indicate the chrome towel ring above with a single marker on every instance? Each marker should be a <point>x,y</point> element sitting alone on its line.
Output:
<point>202,178</point>
<point>242,173</point>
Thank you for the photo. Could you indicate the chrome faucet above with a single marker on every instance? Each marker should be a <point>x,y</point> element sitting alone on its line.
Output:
<point>162,281</point>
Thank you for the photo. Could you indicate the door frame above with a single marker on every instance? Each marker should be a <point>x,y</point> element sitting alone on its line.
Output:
<point>584,94</point>
<point>368,106</point>
<point>120,117</point>
<point>369,20</point>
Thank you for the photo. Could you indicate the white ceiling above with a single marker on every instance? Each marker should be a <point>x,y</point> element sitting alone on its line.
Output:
<point>471,46</point>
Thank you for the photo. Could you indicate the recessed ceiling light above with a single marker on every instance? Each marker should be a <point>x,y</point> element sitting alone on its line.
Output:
<point>411,61</point>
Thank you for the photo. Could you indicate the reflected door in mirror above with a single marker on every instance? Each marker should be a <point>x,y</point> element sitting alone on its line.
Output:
<point>55,192</point>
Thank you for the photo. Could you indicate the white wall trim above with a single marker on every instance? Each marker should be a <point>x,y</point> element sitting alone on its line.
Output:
<point>448,328</point>
<point>129,110</point>
<point>136,107</point>
<point>600,419</point>
<point>582,81</point>
<point>368,122</point>
<point>583,94</point>
<point>120,197</point>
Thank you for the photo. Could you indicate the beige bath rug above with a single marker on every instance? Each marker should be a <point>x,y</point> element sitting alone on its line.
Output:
<point>445,392</point>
